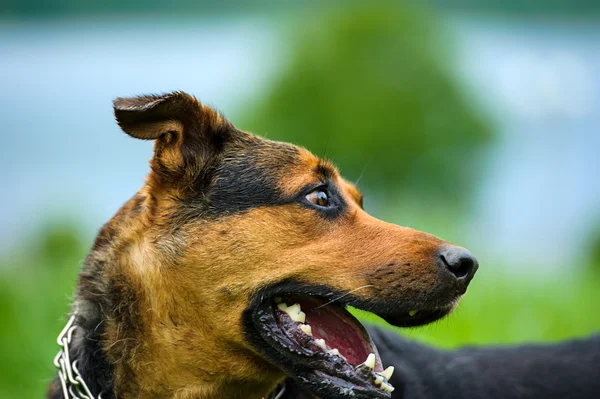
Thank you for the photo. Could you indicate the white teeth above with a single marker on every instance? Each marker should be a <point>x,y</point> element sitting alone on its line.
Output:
<point>370,362</point>
<point>382,382</point>
<point>294,311</point>
<point>412,313</point>
<point>282,306</point>
<point>297,315</point>
<point>321,343</point>
<point>387,387</point>
<point>301,317</point>
<point>306,329</point>
<point>387,373</point>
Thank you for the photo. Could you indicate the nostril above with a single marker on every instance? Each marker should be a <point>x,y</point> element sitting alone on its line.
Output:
<point>458,261</point>
<point>461,269</point>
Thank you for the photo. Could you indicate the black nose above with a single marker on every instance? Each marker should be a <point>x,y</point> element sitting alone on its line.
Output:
<point>459,262</point>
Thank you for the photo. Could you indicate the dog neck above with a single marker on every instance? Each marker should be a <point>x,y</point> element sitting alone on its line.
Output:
<point>126,346</point>
<point>84,368</point>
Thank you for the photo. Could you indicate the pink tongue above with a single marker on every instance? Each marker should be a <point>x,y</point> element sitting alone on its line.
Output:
<point>339,329</point>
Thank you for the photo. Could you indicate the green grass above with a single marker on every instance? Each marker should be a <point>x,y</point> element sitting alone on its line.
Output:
<point>35,291</point>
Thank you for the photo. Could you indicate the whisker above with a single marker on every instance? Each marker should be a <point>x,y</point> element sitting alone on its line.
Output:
<point>342,296</point>
<point>361,173</point>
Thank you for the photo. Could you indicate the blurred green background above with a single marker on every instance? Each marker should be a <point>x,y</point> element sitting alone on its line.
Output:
<point>475,121</point>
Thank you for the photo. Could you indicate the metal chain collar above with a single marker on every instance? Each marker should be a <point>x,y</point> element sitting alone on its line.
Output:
<point>277,394</point>
<point>72,384</point>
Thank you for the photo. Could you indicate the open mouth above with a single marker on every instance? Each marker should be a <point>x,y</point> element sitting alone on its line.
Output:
<point>320,344</point>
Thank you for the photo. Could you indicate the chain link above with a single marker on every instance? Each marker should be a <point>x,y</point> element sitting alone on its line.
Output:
<point>278,393</point>
<point>72,384</point>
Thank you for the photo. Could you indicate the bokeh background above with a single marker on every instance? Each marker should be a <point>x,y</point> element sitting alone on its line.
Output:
<point>477,121</point>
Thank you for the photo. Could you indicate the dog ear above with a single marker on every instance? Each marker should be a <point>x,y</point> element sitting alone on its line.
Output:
<point>187,134</point>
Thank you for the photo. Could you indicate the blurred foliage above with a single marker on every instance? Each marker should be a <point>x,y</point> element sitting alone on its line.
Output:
<point>369,87</point>
<point>364,85</point>
<point>594,250</point>
<point>36,289</point>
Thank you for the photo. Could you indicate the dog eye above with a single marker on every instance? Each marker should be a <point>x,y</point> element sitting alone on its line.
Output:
<point>318,197</point>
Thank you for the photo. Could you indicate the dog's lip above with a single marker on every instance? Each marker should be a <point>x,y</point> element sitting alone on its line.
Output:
<point>308,370</point>
<point>417,317</point>
<point>311,361</point>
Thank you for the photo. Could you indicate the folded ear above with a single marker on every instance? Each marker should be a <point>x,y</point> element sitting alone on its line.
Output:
<point>187,134</point>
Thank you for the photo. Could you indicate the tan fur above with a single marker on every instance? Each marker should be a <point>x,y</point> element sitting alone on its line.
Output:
<point>190,338</point>
<point>178,289</point>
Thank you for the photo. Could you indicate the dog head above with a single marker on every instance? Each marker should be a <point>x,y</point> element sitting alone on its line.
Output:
<point>233,266</point>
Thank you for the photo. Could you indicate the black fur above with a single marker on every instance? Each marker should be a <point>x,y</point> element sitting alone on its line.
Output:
<point>565,370</point>
<point>570,369</point>
<point>325,171</point>
<point>88,344</point>
<point>248,175</point>
<point>91,359</point>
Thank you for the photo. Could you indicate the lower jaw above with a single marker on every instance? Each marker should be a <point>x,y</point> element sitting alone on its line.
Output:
<point>324,385</point>
<point>317,372</point>
<point>323,373</point>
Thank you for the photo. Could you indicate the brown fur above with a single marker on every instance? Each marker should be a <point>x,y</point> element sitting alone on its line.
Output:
<point>170,280</point>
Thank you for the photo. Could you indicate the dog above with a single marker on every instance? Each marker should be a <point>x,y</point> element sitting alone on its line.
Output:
<point>228,274</point>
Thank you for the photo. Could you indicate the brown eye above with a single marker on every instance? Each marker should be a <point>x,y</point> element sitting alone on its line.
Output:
<point>318,197</point>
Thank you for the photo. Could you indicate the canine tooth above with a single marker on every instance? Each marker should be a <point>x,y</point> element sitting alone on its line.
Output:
<point>412,313</point>
<point>387,387</point>
<point>295,313</point>
<point>370,362</point>
<point>299,317</point>
<point>306,329</point>
<point>283,307</point>
<point>378,379</point>
<point>387,373</point>
<point>295,308</point>
<point>321,342</point>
